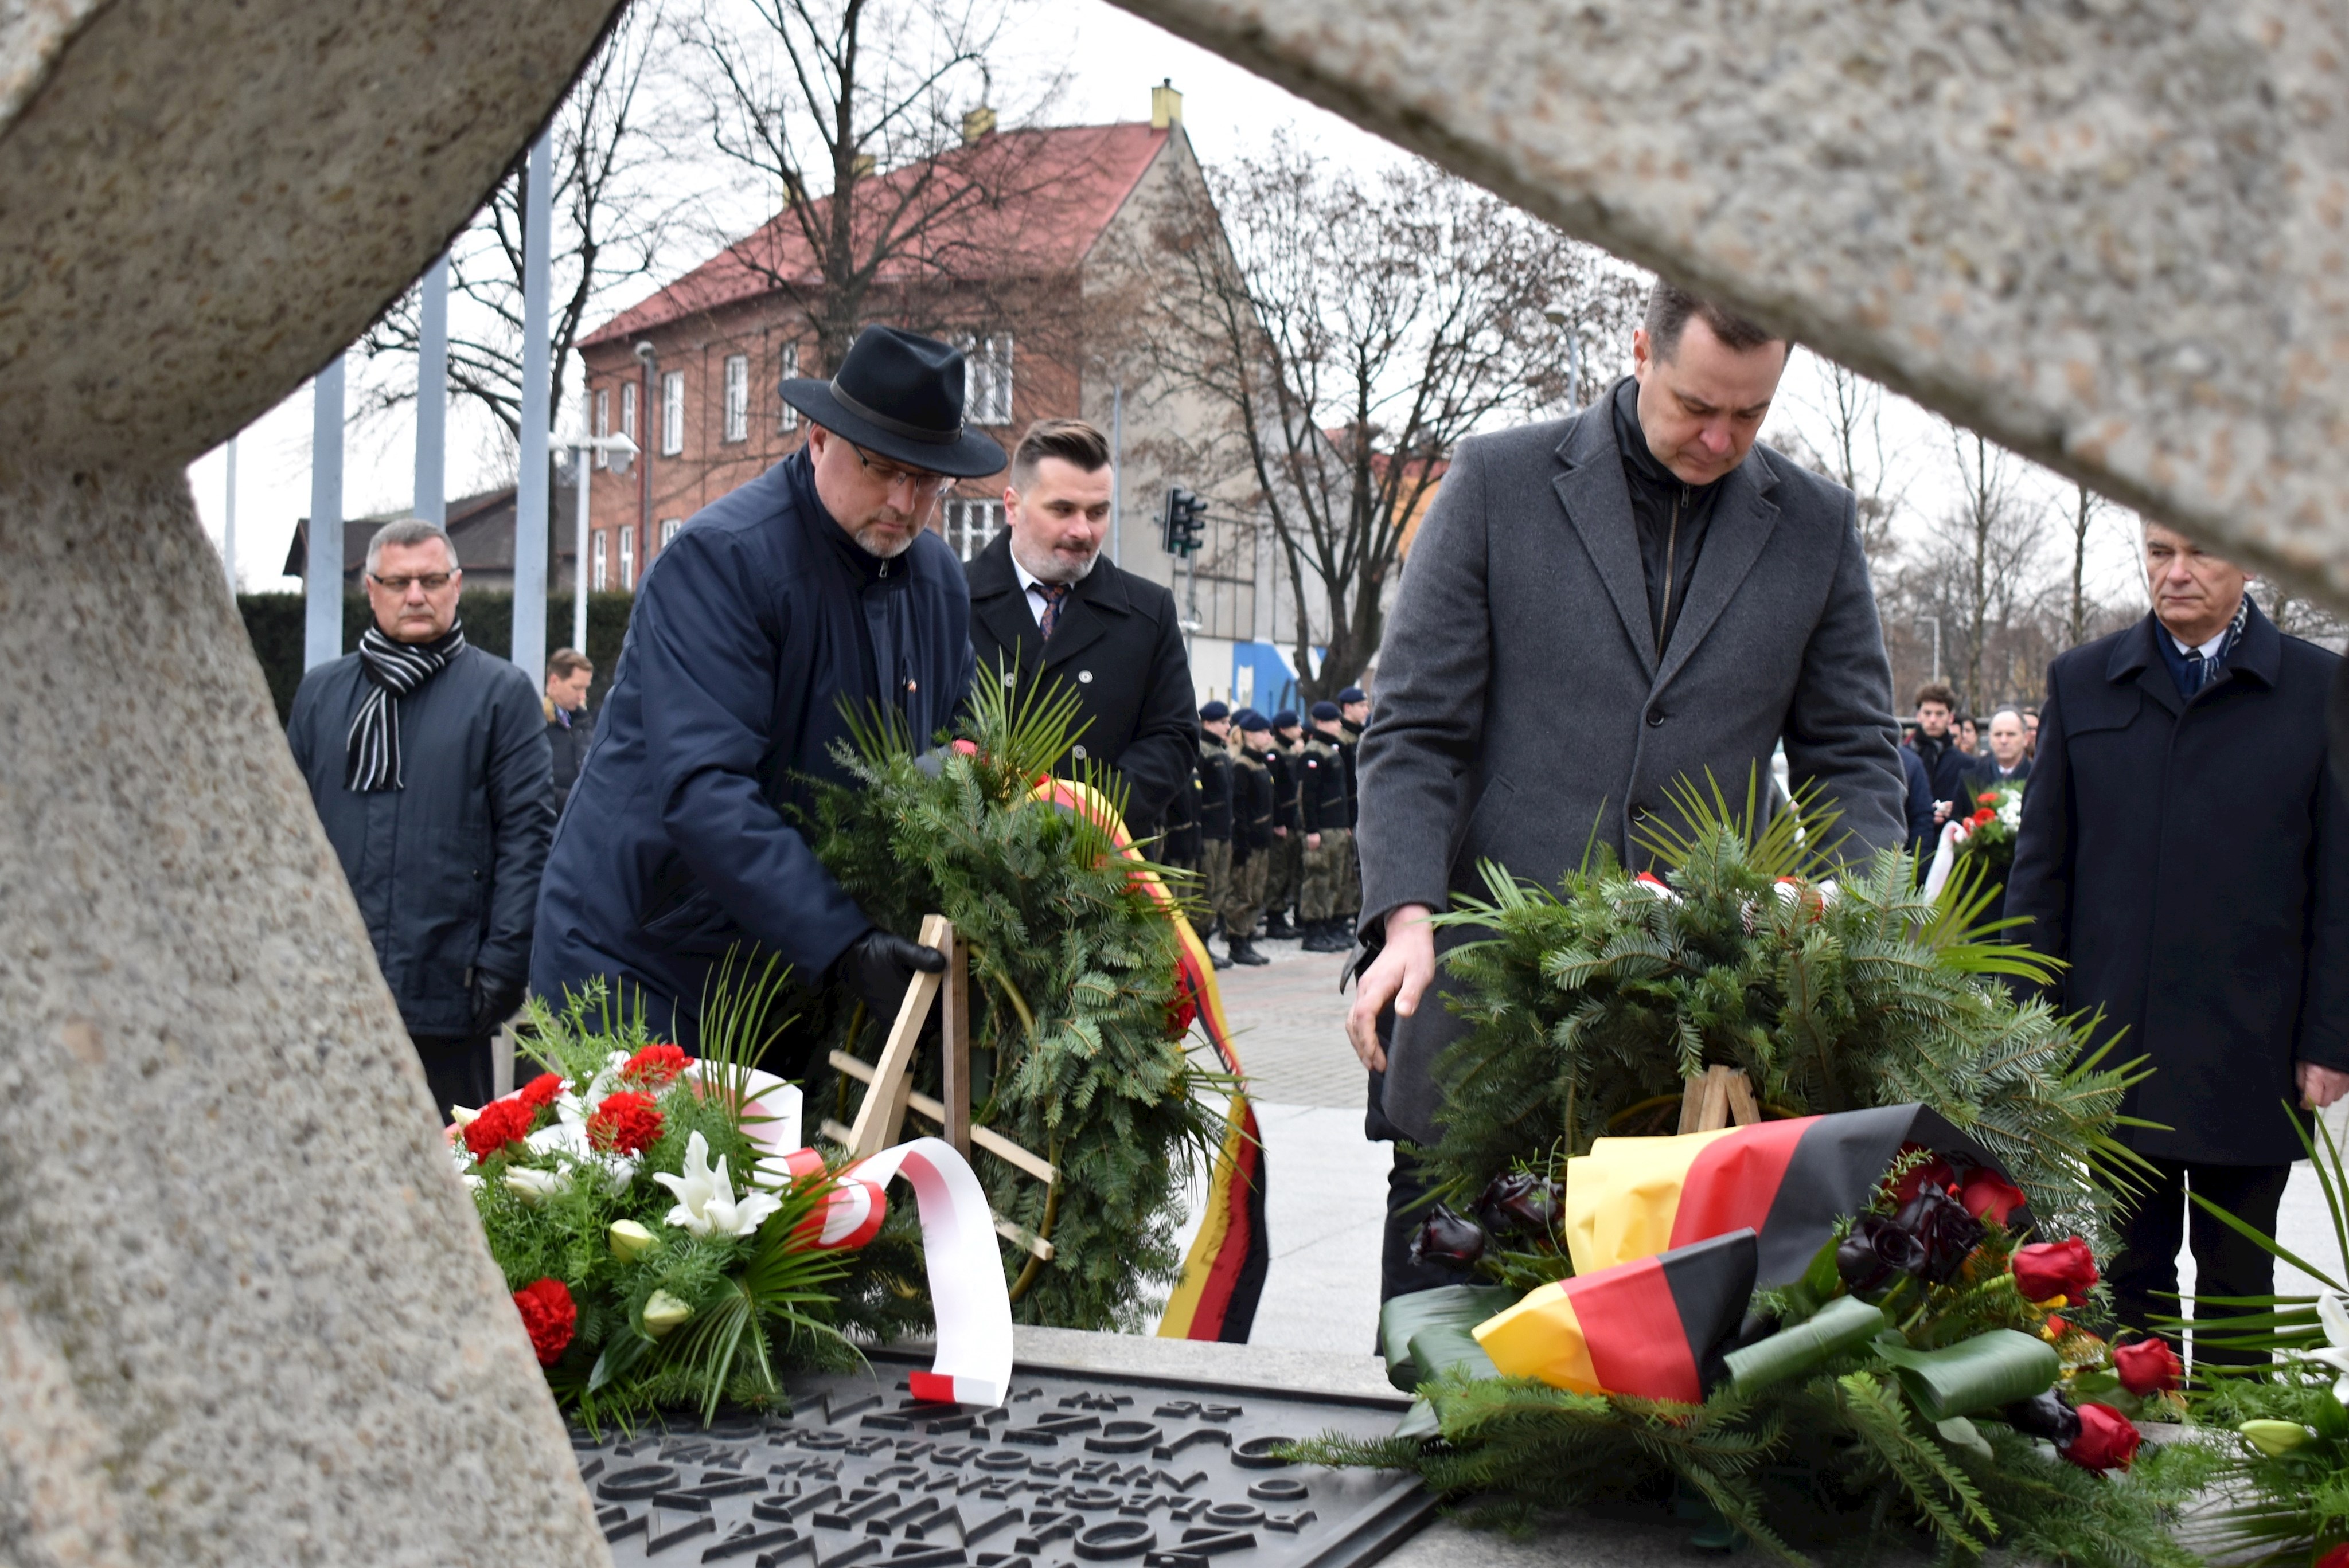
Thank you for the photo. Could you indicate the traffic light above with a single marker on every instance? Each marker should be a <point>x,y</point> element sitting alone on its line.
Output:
<point>1184,524</point>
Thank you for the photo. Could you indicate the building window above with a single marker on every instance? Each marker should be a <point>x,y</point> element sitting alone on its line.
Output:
<point>787,368</point>
<point>738,397</point>
<point>971,525</point>
<point>603,561</point>
<point>672,413</point>
<point>628,409</point>
<point>603,424</point>
<point>986,379</point>
<point>668,530</point>
<point>628,559</point>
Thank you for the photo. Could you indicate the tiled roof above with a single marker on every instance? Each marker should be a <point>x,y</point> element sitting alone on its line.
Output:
<point>1049,195</point>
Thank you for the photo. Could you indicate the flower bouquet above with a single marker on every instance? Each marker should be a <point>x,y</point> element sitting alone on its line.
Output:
<point>1915,1374</point>
<point>666,1239</point>
<point>1988,831</point>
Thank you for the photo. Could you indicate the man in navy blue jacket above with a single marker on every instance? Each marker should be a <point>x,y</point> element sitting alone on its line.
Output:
<point>816,586</point>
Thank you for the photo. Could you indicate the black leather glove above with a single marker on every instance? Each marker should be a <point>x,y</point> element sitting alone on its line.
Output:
<point>879,966</point>
<point>496,998</point>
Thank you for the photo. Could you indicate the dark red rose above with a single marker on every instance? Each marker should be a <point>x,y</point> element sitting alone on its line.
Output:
<point>2107,1440</point>
<point>551,1316</point>
<point>1948,1232</point>
<point>501,1122</point>
<point>2148,1366</point>
<point>1181,1012</point>
<point>1519,1202</point>
<point>2336,1558</point>
<point>2044,1416</point>
<point>627,1121</point>
<point>540,1092</point>
<point>1987,1196</point>
<point>2044,1270</point>
<point>1934,1173</point>
<point>1447,1236</point>
<point>1876,1253</point>
<point>657,1065</point>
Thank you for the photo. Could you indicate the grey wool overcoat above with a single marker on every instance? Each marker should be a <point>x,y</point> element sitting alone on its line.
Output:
<point>1522,712</point>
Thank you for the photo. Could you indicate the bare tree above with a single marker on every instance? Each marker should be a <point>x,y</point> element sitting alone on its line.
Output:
<point>1352,329</point>
<point>1980,572</point>
<point>2090,506</point>
<point>612,215</point>
<point>1841,427</point>
<point>866,126</point>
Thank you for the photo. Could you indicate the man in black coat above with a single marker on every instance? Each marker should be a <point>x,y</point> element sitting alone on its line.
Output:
<point>428,762</point>
<point>817,587</point>
<point>1045,606</point>
<point>570,727</point>
<point>1947,766</point>
<point>2185,850</point>
<point>1211,784</point>
<point>2007,758</point>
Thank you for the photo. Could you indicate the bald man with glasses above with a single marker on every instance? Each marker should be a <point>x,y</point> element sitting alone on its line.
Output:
<point>817,587</point>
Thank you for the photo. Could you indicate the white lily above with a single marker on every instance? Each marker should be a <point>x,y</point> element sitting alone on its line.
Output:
<point>534,1187</point>
<point>706,1205</point>
<point>567,1140</point>
<point>2334,1315</point>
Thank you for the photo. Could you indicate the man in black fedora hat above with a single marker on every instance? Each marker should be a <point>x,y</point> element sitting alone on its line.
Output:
<point>815,587</point>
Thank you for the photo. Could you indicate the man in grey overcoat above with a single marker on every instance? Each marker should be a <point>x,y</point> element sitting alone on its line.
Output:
<point>1595,609</point>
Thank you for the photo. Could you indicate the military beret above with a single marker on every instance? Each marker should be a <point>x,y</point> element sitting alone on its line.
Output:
<point>1285,720</point>
<point>1252,720</point>
<point>1353,694</point>
<point>1325,711</point>
<point>1215,710</point>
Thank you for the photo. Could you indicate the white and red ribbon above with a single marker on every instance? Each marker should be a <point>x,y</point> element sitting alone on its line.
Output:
<point>973,1364</point>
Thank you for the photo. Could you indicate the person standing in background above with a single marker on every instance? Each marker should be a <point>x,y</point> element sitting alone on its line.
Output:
<point>570,727</point>
<point>1327,811</point>
<point>1285,877</point>
<point>1212,801</point>
<point>1353,714</point>
<point>1936,747</point>
<point>1253,811</point>
<point>2007,759</point>
<point>428,762</point>
<point>2184,854</point>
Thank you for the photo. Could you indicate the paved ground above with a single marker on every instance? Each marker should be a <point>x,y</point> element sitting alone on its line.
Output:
<point>1328,1183</point>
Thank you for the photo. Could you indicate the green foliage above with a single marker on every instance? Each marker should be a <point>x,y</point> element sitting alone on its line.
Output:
<point>1073,974</point>
<point>1590,1006</point>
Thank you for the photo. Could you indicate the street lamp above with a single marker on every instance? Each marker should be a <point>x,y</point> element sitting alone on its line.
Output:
<point>621,450</point>
<point>1563,323</point>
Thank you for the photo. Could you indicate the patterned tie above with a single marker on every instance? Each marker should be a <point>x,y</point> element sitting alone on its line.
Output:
<point>1053,593</point>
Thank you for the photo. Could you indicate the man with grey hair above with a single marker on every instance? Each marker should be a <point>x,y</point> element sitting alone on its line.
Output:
<point>428,761</point>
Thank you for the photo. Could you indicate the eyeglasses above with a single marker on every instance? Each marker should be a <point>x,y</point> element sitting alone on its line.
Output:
<point>431,582</point>
<point>926,486</point>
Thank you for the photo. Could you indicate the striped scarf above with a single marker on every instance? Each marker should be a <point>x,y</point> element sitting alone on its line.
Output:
<point>393,670</point>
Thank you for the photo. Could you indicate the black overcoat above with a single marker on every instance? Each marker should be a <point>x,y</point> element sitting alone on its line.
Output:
<point>1118,645</point>
<point>2190,862</point>
<point>445,869</point>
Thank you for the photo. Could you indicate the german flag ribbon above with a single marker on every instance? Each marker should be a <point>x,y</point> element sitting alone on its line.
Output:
<point>1653,1327</point>
<point>1223,1275</point>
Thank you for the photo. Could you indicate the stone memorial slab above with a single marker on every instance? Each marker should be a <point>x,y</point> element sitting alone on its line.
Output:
<point>1078,1466</point>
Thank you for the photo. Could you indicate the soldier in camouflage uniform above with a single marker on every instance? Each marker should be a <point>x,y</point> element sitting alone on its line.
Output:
<point>1252,840</point>
<point>1211,798</point>
<point>1353,716</point>
<point>1327,809</point>
<point>1284,879</point>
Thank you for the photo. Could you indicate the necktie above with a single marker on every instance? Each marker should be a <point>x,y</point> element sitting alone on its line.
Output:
<point>2197,670</point>
<point>1053,593</point>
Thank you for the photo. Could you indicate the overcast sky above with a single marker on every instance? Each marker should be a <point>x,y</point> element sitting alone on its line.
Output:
<point>1113,60</point>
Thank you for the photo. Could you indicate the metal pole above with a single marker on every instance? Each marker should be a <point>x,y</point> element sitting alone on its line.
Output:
<point>322,582</point>
<point>1574,369</point>
<point>579,470</point>
<point>228,528</point>
<point>530,487</point>
<point>432,395</point>
<point>1116,472</point>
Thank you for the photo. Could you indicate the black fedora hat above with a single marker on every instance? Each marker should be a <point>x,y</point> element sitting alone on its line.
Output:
<point>899,395</point>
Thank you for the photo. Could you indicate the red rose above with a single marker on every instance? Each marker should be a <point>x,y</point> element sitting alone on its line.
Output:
<point>626,1121</point>
<point>540,1092</point>
<point>656,1065</point>
<point>1987,1196</point>
<point>1934,1173</point>
<point>551,1316</point>
<point>2107,1440</point>
<point>501,1122</point>
<point>2336,1558</point>
<point>2046,1269</point>
<point>2148,1366</point>
<point>1180,1012</point>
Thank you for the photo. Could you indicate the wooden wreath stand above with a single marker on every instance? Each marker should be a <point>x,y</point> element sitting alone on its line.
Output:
<point>889,1091</point>
<point>1717,1097</point>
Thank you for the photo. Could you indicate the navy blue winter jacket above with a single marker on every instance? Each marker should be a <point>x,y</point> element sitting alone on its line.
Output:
<point>749,629</point>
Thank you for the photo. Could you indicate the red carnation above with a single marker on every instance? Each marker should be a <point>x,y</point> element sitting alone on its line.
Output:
<point>1983,818</point>
<point>540,1092</point>
<point>656,1065</point>
<point>2044,1270</point>
<point>627,1122</point>
<point>501,1122</point>
<point>551,1316</point>
<point>1987,1196</point>
<point>1934,1173</point>
<point>2107,1440</point>
<point>2148,1366</point>
<point>1987,797</point>
<point>1180,1012</point>
<point>2336,1558</point>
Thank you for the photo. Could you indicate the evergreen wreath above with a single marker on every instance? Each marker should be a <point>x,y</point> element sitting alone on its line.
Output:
<point>1077,1047</point>
<point>1589,1007</point>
